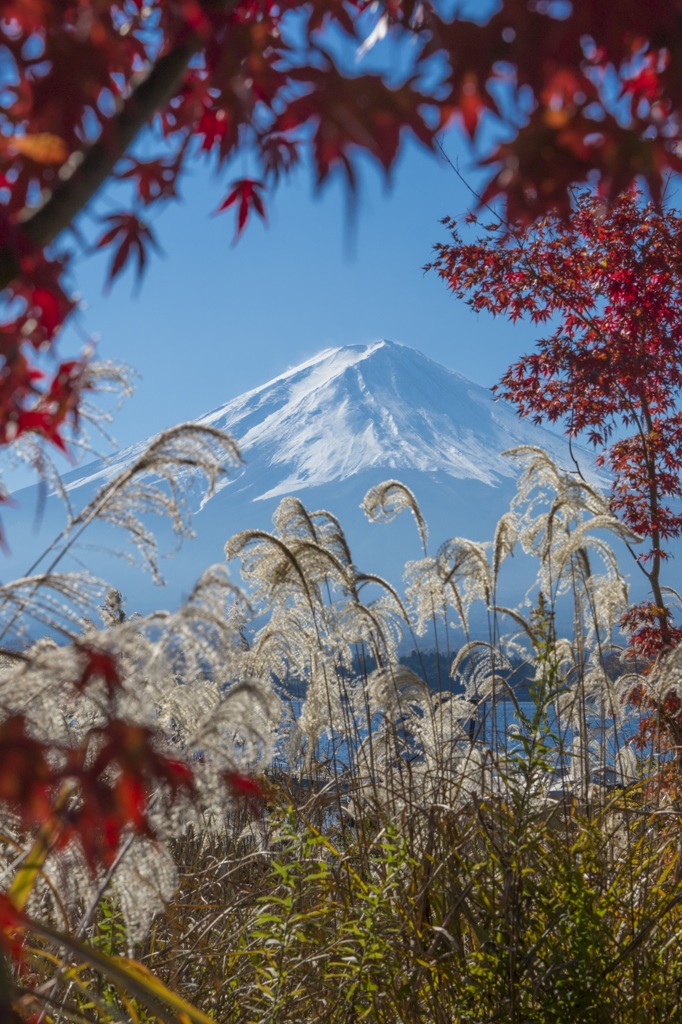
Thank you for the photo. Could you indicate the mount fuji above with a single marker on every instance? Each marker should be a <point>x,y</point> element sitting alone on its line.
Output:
<point>326,431</point>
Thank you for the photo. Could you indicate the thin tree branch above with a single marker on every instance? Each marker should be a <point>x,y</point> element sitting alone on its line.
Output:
<point>85,172</point>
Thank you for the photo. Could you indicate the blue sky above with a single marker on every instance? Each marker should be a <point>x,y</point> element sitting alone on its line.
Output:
<point>212,319</point>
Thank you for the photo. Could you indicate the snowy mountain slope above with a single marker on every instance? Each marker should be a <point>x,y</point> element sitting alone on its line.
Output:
<point>327,430</point>
<point>376,406</point>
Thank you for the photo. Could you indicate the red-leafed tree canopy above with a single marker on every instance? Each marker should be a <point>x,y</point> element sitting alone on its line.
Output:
<point>581,91</point>
<point>609,282</point>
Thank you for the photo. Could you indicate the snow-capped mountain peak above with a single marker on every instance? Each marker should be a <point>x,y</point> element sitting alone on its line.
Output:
<point>363,407</point>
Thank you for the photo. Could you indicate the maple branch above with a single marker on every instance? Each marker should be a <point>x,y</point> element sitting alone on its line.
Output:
<point>85,172</point>
<point>654,574</point>
<point>483,204</point>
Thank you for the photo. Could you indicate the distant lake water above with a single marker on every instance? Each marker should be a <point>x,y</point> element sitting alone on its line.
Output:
<point>498,725</point>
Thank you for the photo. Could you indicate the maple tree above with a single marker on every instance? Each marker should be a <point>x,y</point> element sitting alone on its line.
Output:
<point>609,282</point>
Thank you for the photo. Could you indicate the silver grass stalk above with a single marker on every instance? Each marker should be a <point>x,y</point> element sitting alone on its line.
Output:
<point>387,500</point>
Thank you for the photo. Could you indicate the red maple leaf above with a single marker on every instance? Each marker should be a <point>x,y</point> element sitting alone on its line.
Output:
<point>354,113</point>
<point>12,939</point>
<point>155,179</point>
<point>98,664</point>
<point>245,193</point>
<point>132,237</point>
<point>114,787</point>
<point>26,777</point>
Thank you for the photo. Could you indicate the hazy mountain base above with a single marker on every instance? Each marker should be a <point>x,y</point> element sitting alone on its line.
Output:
<point>36,521</point>
<point>386,549</point>
<point>434,668</point>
